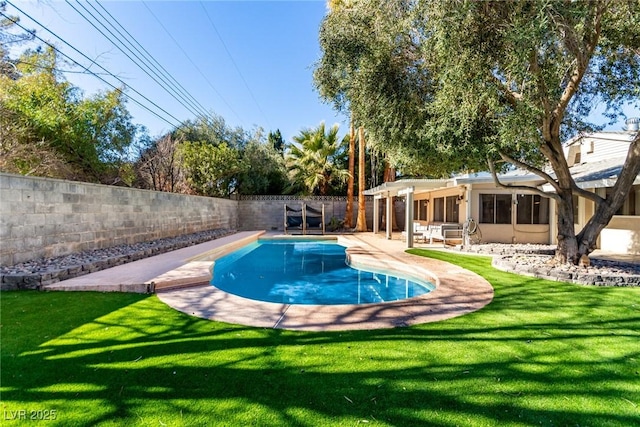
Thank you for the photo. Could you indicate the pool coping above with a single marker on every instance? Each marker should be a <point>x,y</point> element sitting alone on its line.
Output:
<point>458,291</point>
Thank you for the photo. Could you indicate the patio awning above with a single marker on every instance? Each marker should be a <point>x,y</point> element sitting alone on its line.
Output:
<point>391,189</point>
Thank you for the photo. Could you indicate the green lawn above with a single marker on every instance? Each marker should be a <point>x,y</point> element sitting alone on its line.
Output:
<point>542,353</point>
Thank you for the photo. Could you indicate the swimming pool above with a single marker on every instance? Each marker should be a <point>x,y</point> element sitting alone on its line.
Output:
<point>307,272</point>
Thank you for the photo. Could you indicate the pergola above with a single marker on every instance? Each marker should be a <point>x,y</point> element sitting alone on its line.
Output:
<point>403,188</point>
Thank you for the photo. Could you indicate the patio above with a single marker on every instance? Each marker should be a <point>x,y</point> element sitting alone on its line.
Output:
<point>181,280</point>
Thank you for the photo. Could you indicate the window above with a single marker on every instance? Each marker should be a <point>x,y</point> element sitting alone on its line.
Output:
<point>495,208</point>
<point>438,209</point>
<point>629,205</point>
<point>423,209</point>
<point>576,210</point>
<point>420,209</point>
<point>532,209</point>
<point>452,209</point>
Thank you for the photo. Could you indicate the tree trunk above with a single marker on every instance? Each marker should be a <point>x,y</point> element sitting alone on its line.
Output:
<point>348,221</point>
<point>605,210</point>
<point>567,244</point>
<point>361,224</point>
<point>324,187</point>
<point>571,247</point>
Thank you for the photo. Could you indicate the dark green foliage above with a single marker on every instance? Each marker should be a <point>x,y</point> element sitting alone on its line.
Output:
<point>275,141</point>
<point>263,169</point>
<point>456,86</point>
<point>210,158</point>
<point>50,130</point>
<point>441,85</point>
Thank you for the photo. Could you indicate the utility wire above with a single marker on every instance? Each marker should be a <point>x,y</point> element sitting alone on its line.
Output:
<point>93,62</point>
<point>192,63</point>
<point>159,66</point>
<point>41,67</point>
<point>234,63</point>
<point>179,94</point>
<point>181,102</point>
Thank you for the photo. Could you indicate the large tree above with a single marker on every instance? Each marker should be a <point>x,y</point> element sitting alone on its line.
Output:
<point>211,170</point>
<point>263,169</point>
<point>458,85</point>
<point>50,129</point>
<point>160,166</point>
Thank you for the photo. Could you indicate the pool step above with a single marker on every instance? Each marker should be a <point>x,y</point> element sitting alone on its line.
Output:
<point>373,290</point>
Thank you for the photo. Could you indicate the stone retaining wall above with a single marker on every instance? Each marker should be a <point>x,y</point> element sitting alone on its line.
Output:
<point>41,217</point>
<point>38,274</point>
<point>577,275</point>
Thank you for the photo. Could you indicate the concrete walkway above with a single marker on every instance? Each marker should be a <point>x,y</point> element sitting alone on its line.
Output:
<point>164,270</point>
<point>181,280</point>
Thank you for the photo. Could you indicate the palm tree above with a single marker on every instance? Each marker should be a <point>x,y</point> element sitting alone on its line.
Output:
<point>315,162</point>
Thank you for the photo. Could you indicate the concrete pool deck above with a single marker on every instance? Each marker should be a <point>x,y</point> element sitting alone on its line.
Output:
<point>181,281</point>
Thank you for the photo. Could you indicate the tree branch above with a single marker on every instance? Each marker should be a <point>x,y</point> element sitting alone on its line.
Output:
<point>531,169</point>
<point>535,190</point>
<point>512,97</point>
<point>586,194</point>
<point>629,172</point>
<point>582,61</point>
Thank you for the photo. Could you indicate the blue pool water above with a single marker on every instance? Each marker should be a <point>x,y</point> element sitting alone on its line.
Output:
<point>306,272</point>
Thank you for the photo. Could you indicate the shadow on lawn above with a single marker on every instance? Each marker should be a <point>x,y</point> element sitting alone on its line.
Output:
<point>541,353</point>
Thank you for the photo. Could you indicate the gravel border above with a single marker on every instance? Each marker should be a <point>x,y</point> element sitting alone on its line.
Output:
<point>534,260</point>
<point>599,273</point>
<point>45,271</point>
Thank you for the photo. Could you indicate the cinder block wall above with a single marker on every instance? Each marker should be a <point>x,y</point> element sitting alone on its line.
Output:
<point>267,212</point>
<point>42,217</point>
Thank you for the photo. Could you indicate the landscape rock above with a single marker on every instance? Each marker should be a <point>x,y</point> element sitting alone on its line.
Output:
<point>37,273</point>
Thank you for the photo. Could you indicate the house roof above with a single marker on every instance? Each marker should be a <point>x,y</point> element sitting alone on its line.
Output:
<point>514,176</point>
<point>393,188</point>
<point>424,185</point>
<point>623,136</point>
<point>600,174</point>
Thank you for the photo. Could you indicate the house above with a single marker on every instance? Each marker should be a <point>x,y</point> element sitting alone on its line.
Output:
<point>516,216</point>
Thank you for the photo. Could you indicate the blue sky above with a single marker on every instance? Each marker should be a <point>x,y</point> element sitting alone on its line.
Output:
<point>248,61</point>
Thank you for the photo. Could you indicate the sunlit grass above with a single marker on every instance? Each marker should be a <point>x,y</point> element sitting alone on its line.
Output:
<point>542,353</point>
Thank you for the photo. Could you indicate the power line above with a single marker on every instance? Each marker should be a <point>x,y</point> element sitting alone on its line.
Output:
<point>191,61</point>
<point>179,94</point>
<point>125,53</point>
<point>234,63</point>
<point>34,65</point>
<point>93,62</point>
<point>152,58</point>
